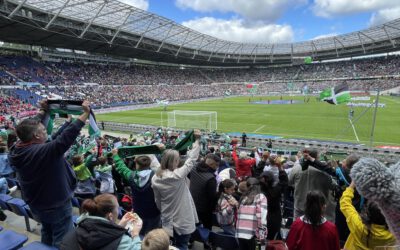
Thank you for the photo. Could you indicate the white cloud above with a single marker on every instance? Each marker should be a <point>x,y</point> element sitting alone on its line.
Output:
<point>141,4</point>
<point>329,8</point>
<point>237,30</point>
<point>324,36</point>
<point>267,10</point>
<point>383,16</point>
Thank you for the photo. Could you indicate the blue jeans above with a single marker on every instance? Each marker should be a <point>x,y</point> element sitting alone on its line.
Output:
<point>3,186</point>
<point>181,241</point>
<point>56,223</point>
<point>229,229</point>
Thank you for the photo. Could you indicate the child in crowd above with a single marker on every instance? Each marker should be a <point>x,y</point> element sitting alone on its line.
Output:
<point>157,239</point>
<point>312,230</point>
<point>226,206</point>
<point>251,223</point>
<point>83,174</point>
<point>142,192</point>
<point>368,230</point>
<point>104,174</point>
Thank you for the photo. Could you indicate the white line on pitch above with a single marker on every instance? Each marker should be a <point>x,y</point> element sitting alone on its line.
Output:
<point>259,128</point>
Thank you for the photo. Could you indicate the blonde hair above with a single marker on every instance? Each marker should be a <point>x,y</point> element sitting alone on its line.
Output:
<point>156,239</point>
<point>169,161</point>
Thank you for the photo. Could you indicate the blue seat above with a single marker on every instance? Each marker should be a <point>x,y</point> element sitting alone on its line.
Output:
<point>1,228</point>
<point>10,240</point>
<point>36,245</point>
<point>201,234</point>
<point>224,241</point>
<point>3,201</point>
<point>17,206</point>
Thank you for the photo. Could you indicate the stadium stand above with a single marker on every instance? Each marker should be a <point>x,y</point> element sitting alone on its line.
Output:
<point>288,193</point>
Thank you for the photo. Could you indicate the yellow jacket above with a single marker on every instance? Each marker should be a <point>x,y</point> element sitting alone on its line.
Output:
<point>357,240</point>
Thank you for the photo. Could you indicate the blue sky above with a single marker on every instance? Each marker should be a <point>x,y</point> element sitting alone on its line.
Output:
<point>274,20</point>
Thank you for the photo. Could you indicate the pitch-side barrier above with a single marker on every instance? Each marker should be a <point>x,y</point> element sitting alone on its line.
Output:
<point>388,155</point>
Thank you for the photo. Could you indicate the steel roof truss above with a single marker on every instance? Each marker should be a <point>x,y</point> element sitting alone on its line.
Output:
<point>162,42</point>
<point>57,14</point>
<point>362,43</point>
<point>229,45</point>
<point>362,33</point>
<point>91,21</point>
<point>144,32</point>
<point>197,50</point>
<point>184,40</point>
<point>17,8</point>
<point>388,36</point>
<point>119,28</point>
<point>215,46</point>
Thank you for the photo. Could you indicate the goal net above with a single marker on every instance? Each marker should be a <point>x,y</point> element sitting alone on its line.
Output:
<point>206,120</point>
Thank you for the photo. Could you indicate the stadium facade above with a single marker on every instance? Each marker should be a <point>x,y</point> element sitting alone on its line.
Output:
<point>114,28</point>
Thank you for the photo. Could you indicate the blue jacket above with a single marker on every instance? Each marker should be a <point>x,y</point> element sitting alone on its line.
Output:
<point>46,179</point>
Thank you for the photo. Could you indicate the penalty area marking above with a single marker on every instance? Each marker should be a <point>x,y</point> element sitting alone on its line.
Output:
<point>259,128</point>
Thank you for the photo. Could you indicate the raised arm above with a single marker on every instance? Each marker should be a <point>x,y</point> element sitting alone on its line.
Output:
<point>353,219</point>
<point>65,140</point>
<point>192,155</point>
<point>120,166</point>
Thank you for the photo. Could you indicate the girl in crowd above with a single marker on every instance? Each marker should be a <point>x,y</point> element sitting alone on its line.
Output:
<point>367,231</point>
<point>98,228</point>
<point>313,231</point>
<point>226,206</point>
<point>252,216</point>
<point>172,195</point>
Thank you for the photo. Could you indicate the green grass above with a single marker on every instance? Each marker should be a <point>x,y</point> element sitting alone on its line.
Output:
<point>313,120</point>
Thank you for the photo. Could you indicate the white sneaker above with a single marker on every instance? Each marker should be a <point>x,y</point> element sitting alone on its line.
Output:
<point>12,190</point>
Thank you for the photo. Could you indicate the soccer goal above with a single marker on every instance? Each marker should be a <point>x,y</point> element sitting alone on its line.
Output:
<point>183,119</point>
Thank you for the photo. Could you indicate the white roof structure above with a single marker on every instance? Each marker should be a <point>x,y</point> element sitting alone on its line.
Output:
<point>113,27</point>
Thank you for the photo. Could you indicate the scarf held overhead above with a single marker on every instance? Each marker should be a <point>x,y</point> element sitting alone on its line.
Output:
<point>68,107</point>
<point>130,151</point>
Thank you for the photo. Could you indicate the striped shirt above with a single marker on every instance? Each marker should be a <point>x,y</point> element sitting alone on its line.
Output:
<point>252,218</point>
<point>225,211</point>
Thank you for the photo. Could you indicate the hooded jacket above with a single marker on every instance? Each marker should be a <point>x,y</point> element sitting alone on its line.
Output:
<point>140,182</point>
<point>47,180</point>
<point>97,233</point>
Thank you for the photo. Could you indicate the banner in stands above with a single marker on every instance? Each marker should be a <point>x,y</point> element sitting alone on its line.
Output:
<point>28,84</point>
<point>26,113</point>
<point>365,104</point>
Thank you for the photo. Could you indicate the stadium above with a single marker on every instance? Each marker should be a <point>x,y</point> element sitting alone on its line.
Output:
<point>140,85</point>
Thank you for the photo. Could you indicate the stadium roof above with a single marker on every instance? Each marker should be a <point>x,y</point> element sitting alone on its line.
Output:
<point>112,27</point>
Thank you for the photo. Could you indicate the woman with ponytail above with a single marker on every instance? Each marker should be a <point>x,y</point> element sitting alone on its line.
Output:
<point>98,228</point>
<point>313,230</point>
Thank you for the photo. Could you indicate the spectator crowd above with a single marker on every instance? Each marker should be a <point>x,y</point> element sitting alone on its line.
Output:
<point>142,192</point>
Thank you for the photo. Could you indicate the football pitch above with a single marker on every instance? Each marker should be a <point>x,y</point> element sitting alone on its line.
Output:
<point>295,119</point>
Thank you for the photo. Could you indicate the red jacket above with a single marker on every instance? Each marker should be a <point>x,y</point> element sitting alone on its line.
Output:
<point>303,237</point>
<point>243,166</point>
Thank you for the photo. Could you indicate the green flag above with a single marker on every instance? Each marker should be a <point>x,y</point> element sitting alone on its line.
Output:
<point>337,95</point>
<point>308,60</point>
